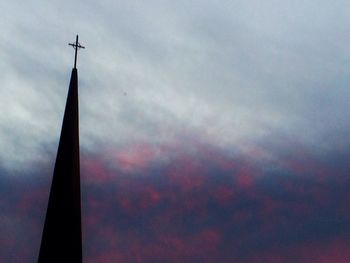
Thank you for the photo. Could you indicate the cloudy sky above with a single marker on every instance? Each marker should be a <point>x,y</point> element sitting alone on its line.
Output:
<point>210,131</point>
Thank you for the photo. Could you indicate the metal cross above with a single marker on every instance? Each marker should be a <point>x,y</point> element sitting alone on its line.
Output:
<point>76,46</point>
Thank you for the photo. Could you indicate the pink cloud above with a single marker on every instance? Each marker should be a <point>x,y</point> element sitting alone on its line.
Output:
<point>335,251</point>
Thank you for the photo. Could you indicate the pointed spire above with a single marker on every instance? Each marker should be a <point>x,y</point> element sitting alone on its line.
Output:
<point>61,238</point>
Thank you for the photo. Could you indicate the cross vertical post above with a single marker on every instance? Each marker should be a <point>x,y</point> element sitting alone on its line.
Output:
<point>76,46</point>
<point>76,52</point>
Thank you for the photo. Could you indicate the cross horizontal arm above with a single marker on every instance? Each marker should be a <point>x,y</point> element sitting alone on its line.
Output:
<point>76,46</point>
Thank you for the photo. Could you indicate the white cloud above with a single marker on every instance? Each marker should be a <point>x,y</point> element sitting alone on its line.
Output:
<point>229,71</point>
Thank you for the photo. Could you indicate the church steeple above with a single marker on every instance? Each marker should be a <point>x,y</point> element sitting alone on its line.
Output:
<point>61,239</point>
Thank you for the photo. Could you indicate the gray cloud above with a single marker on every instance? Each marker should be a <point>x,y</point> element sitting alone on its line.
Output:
<point>229,71</point>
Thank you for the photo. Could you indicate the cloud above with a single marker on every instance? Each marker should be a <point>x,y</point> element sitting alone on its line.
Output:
<point>215,127</point>
<point>231,72</point>
<point>189,208</point>
<point>196,203</point>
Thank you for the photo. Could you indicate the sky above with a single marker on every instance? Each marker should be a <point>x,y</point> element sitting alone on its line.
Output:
<point>210,131</point>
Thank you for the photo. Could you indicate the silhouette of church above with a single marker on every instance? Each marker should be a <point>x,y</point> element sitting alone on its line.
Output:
<point>61,238</point>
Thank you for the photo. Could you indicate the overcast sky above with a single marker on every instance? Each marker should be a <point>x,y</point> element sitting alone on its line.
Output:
<point>229,71</point>
<point>266,82</point>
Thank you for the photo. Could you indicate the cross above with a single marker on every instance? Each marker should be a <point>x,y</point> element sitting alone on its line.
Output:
<point>76,46</point>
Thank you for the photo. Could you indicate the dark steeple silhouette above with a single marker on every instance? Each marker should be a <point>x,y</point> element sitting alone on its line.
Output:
<point>61,239</point>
